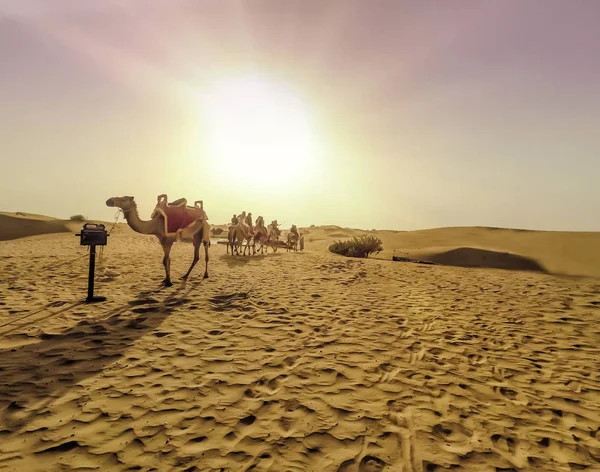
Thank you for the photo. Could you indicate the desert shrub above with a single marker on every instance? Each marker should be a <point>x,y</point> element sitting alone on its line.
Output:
<point>78,218</point>
<point>217,231</point>
<point>361,246</point>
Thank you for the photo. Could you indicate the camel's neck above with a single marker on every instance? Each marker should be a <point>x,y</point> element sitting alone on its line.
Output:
<point>138,225</point>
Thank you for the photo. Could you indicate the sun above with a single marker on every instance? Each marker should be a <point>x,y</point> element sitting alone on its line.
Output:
<point>257,131</point>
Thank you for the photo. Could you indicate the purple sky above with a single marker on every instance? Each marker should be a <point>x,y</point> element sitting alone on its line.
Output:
<point>441,113</point>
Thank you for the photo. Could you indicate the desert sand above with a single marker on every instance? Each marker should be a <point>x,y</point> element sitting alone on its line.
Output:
<point>301,361</point>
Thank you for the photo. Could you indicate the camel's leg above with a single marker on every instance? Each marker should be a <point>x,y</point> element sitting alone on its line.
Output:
<point>231,239</point>
<point>206,244</point>
<point>167,244</point>
<point>197,242</point>
<point>235,245</point>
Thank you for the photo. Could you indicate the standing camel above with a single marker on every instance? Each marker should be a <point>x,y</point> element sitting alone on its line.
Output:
<point>273,233</point>
<point>169,223</point>
<point>260,234</point>
<point>242,232</point>
<point>231,234</point>
<point>292,239</point>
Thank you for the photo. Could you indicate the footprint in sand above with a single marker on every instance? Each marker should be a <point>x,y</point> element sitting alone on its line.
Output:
<point>371,464</point>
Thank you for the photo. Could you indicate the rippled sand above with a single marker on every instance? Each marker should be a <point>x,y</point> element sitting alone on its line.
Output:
<point>303,361</point>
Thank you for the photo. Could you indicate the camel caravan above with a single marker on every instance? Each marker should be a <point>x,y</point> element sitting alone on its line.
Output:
<point>175,221</point>
<point>242,232</point>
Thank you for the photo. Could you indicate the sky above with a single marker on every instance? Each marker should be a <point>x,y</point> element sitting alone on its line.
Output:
<point>421,114</point>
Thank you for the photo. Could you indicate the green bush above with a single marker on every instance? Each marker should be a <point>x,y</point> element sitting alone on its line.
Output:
<point>361,246</point>
<point>78,218</point>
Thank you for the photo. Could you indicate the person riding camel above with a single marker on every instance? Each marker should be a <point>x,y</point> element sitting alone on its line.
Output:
<point>243,220</point>
<point>275,226</point>
<point>249,220</point>
<point>234,220</point>
<point>294,230</point>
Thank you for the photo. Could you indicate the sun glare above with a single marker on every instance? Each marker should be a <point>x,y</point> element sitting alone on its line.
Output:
<point>258,125</point>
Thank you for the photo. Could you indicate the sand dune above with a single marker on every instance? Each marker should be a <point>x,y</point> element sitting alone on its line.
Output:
<point>566,253</point>
<point>473,257</point>
<point>303,361</point>
<point>556,252</point>
<point>13,226</point>
<point>21,225</point>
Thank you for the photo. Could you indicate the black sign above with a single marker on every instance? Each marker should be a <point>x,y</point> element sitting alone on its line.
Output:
<point>93,235</point>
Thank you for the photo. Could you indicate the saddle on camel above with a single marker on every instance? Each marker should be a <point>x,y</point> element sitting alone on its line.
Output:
<point>179,217</point>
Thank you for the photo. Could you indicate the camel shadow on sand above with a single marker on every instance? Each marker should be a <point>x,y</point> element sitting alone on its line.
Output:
<point>32,376</point>
<point>237,261</point>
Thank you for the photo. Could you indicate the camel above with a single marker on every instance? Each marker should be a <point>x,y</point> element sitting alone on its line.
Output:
<point>273,233</point>
<point>243,232</point>
<point>239,233</point>
<point>293,238</point>
<point>261,235</point>
<point>231,236</point>
<point>193,220</point>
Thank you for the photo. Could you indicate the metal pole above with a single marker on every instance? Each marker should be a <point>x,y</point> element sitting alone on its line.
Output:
<point>90,296</point>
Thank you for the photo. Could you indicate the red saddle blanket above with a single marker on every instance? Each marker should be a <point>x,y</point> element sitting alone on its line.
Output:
<point>179,217</point>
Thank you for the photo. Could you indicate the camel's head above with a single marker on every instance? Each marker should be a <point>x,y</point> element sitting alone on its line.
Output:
<point>124,203</point>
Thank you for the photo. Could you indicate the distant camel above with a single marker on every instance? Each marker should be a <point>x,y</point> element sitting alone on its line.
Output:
<point>292,239</point>
<point>261,235</point>
<point>231,233</point>
<point>273,234</point>
<point>170,222</point>
<point>242,232</point>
